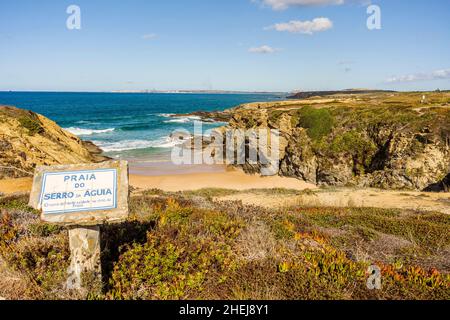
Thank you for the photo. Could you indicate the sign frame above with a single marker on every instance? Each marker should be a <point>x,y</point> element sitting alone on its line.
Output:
<point>84,217</point>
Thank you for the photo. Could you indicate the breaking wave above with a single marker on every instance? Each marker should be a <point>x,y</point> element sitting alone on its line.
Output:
<point>183,119</point>
<point>87,132</point>
<point>125,145</point>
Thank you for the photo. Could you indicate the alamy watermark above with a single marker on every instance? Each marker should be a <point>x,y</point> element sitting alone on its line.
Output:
<point>73,22</point>
<point>374,19</point>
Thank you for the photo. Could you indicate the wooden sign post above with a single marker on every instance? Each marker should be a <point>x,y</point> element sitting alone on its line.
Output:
<point>82,197</point>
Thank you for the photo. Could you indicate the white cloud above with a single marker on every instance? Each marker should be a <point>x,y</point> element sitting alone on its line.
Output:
<point>263,50</point>
<point>435,75</point>
<point>305,27</point>
<point>149,36</point>
<point>284,4</point>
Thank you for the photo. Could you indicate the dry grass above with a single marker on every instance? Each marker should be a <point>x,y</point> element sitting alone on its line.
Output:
<point>179,246</point>
<point>256,242</point>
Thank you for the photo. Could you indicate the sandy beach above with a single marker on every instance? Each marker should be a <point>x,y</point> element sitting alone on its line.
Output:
<point>10,186</point>
<point>227,179</point>
<point>201,177</point>
<point>218,177</point>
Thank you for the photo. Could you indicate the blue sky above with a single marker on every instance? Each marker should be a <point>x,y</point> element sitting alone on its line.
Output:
<point>224,44</point>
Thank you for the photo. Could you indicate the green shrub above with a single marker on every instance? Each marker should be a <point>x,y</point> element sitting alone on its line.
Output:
<point>19,203</point>
<point>274,116</point>
<point>361,148</point>
<point>33,126</point>
<point>189,248</point>
<point>44,229</point>
<point>318,122</point>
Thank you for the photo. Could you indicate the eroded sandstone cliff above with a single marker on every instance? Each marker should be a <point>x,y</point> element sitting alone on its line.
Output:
<point>28,139</point>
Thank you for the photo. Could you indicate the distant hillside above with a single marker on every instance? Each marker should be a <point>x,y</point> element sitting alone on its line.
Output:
<point>310,94</point>
<point>28,139</point>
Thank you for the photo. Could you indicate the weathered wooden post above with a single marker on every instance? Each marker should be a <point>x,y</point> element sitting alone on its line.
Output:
<point>82,197</point>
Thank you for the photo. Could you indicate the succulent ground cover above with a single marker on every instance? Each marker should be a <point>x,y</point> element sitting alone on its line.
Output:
<point>188,246</point>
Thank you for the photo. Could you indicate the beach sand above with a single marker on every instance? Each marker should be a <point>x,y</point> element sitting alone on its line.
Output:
<point>207,177</point>
<point>348,197</point>
<point>226,179</point>
<point>10,186</point>
<point>200,177</point>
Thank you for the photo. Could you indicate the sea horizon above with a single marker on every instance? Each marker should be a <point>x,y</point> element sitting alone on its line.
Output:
<point>175,91</point>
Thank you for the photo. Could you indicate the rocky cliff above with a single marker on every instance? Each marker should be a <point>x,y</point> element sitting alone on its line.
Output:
<point>385,140</point>
<point>28,139</point>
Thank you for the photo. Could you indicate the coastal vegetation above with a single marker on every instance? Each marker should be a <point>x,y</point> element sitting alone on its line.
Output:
<point>32,125</point>
<point>190,246</point>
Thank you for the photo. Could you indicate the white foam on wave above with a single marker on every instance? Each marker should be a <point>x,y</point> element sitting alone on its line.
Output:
<point>183,119</point>
<point>166,115</point>
<point>167,142</point>
<point>126,145</point>
<point>123,145</point>
<point>87,132</point>
<point>178,120</point>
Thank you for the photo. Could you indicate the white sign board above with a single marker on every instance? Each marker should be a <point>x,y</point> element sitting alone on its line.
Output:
<point>76,191</point>
<point>84,194</point>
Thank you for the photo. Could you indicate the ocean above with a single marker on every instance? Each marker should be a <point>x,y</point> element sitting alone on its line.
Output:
<point>130,126</point>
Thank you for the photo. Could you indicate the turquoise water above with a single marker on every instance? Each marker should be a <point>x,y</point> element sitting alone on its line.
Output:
<point>128,126</point>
